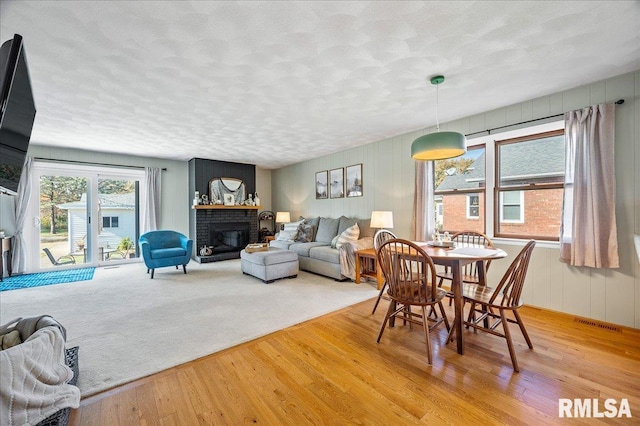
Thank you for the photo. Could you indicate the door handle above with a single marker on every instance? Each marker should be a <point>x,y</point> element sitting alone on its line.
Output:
<point>36,222</point>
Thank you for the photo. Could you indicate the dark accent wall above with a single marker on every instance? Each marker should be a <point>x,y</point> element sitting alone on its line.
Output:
<point>201,171</point>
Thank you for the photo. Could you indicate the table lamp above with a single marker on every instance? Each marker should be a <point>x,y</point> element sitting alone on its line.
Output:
<point>381,219</point>
<point>282,218</point>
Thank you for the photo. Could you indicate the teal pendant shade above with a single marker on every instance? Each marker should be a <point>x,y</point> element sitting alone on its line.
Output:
<point>438,146</point>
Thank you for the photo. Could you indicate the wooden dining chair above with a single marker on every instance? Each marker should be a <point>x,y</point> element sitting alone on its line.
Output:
<point>411,279</point>
<point>489,306</point>
<point>380,237</point>
<point>470,272</point>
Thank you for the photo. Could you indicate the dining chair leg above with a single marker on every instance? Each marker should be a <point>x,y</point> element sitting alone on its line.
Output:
<point>384,322</point>
<point>472,314</point>
<point>444,316</point>
<point>451,334</point>
<point>384,286</point>
<point>425,326</point>
<point>507,335</point>
<point>522,329</point>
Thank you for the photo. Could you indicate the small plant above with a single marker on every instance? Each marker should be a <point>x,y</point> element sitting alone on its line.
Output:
<point>125,244</point>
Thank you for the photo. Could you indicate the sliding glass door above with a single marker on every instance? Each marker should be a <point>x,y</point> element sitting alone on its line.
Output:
<point>82,216</point>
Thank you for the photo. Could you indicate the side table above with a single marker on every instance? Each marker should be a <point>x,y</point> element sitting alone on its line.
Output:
<point>367,266</point>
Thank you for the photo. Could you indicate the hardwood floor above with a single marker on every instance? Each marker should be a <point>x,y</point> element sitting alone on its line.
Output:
<point>331,371</point>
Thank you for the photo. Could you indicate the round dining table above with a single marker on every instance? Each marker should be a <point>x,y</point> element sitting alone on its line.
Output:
<point>456,257</point>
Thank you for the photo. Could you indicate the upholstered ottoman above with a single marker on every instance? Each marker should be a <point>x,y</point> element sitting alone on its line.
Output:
<point>270,265</point>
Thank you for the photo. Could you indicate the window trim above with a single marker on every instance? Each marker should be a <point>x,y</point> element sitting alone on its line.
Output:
<point>469,216</point>
<point>520,204</point>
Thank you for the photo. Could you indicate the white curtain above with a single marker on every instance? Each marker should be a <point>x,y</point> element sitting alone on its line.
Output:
<point>588,234</point>
<point>151,206</point>
<point>19,261</point>
<point>423,213</point>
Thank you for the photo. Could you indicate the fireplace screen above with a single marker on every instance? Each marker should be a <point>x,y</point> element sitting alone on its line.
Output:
<point>229,237</point>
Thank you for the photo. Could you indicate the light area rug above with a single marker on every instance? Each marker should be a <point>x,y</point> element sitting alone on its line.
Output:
<point>129,326</point>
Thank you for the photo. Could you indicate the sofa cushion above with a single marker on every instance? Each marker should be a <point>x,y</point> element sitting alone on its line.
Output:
<point>302,249</point>
<point>365,228</point>
<point>346,222</point>
<point>164,253</point>
<point>325,253</point>
<point>327,229</point>
<point>280,244</point>
<point>350,234</point>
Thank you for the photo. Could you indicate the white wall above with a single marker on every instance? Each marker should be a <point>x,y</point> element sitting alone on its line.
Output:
<point>388,174</point>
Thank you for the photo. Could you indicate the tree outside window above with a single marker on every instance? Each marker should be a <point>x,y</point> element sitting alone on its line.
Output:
<point>459,191</point>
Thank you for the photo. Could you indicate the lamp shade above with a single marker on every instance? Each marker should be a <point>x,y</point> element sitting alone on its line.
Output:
<point>381,219</point>
<point>283,217</point>
<point>438,146</point>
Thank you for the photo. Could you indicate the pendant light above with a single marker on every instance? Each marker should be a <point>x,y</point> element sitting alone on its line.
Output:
<point>438,145</point>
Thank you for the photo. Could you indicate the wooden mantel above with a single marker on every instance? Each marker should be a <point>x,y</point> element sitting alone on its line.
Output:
<point>221,206</point>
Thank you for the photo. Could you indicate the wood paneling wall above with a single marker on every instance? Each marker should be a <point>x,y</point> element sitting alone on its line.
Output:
<point>388,175</point>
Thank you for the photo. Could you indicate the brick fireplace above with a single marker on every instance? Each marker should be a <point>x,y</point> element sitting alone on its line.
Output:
<point>226,230</point>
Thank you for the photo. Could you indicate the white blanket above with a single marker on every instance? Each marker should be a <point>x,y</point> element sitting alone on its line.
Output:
<point>348,255</point>
<point>35,379</point>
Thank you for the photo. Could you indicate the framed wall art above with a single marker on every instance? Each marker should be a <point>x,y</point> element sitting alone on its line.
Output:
<point>354,180</point>
<point>322,185</point>
<point>336,183</point>
<point>229,199</point>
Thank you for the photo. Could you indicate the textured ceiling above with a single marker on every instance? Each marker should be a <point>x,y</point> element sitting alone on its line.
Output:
<point>275,83</point>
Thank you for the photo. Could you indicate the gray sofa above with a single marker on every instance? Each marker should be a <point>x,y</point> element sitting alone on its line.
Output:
<point>317,255</point>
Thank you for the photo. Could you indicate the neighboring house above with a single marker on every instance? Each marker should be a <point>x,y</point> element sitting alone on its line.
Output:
<point>117,220</point>
<point>521,164</point>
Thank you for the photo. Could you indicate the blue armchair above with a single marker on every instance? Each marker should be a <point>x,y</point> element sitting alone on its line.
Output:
<point>165,248</point>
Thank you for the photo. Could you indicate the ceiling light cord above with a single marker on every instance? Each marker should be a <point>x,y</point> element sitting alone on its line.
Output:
<point>437,102</point>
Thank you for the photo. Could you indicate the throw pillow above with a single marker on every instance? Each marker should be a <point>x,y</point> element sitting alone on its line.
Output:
<point>334,241</point>
<point>305,234</point>
<point>292,226</point>
<point>350,234</point>
<point>285,235</point>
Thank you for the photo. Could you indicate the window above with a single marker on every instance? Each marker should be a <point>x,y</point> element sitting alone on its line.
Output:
<point>473,206</point>
<point>529,186</point>
<point>459,191</point>
<point>110,221</point>
<point>511,207</point>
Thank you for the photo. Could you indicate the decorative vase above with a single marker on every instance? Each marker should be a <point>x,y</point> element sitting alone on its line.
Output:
<point>256,199</point>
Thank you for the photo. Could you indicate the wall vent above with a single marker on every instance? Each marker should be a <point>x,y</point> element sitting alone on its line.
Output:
<point>602,325</point>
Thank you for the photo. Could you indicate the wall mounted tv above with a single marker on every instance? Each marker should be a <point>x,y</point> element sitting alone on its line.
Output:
<point>17,112</point>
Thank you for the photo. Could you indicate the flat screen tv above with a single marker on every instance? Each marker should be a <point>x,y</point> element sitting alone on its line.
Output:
<point>17,112</point>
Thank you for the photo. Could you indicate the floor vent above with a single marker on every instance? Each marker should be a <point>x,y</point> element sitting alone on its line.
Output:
<point>598,324</point>
<point>111,267</point>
